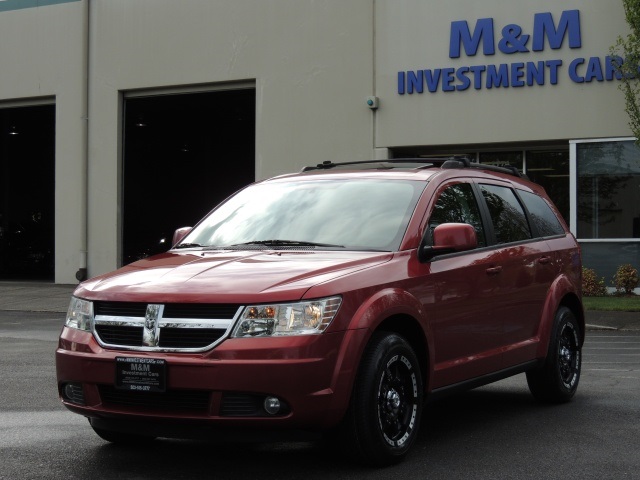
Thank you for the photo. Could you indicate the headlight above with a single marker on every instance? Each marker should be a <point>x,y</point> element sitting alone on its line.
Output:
<point>303,318</point>
<point>79,314</point>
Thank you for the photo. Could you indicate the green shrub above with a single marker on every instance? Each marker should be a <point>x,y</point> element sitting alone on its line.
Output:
<point>591,286</point>
<point>625,279</point>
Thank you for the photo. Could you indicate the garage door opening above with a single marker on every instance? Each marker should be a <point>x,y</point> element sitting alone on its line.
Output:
<point>27,189</point>
<point>183,154</point>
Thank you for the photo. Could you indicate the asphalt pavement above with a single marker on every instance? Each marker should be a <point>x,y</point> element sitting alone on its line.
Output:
<point>35,296</point>
<point>50,297</point>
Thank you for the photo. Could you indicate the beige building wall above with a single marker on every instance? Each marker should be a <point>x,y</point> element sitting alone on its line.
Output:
<point>312,64</point>
<point>43,62</point>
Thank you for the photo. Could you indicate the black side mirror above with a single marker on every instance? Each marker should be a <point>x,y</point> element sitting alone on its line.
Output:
<point>179,234</point>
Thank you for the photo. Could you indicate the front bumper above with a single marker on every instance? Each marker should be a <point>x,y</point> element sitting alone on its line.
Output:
<point>219,389</point>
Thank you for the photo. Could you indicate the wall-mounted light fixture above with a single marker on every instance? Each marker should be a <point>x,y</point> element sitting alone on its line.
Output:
<point>372,102</point>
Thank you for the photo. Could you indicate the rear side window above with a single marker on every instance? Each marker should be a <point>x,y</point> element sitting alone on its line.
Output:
<point>507,215</point>
<point>457,204</point>
<point>541,214</point>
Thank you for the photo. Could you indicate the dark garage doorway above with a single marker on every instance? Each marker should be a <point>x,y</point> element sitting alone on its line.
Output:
<point>27,193</point>
<point>183,154</point>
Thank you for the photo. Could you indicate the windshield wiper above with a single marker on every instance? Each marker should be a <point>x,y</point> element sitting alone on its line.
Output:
<point>287,243</point>
<point>189,245</point>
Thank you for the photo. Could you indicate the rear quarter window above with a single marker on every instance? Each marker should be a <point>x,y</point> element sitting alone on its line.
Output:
<point>544,219</point>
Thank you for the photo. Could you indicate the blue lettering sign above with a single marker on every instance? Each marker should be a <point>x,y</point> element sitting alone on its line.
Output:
<point>460,33</point>
<point>513,41</point>
<point>477,75</point>
<point>535,73</point>
<point>610,68</point>
<point>415,82</point>
<point>461,75</point>
<point>594,70</point>
<point>497,75</point>
<point>573,70</point>
<point>517,73</point>
<point>448,78</point>
<point>553,66</point>
<point>544,27</point>
<point>433,79</point>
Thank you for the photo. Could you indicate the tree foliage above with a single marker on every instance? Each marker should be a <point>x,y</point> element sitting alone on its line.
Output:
<point>626,53</point>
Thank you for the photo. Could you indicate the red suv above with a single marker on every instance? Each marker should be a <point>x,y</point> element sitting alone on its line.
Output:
<point>334,300</point>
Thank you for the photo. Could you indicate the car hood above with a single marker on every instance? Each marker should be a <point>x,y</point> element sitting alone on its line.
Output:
<point>226,276</point>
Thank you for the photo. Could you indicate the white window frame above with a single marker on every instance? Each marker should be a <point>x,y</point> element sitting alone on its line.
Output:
<point>573,188</point>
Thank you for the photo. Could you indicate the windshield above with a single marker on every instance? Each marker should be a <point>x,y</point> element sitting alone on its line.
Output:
<point>352,214</point>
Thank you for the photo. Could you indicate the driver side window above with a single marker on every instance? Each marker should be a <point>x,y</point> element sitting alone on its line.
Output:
<point>457,204</point>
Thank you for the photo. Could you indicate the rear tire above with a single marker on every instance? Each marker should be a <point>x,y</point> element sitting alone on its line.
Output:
<point>557,380</point>
<point>384,414</point>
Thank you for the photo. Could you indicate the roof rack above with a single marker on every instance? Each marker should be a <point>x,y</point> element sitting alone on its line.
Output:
<point>387,163</point>
<point>456,161</point>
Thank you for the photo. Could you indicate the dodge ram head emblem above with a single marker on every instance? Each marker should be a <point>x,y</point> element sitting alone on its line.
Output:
<point>150,335</point>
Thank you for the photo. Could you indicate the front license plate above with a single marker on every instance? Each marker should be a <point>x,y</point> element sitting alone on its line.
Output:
<point>141,374</point>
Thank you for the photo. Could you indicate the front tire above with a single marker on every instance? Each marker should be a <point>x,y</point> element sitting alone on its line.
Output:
<point>557,381</point>
<point>386,405</point>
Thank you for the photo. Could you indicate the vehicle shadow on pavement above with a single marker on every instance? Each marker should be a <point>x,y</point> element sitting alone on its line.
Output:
<point>473,424</point>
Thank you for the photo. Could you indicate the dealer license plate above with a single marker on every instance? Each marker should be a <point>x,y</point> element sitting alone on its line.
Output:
<point>141,374</point>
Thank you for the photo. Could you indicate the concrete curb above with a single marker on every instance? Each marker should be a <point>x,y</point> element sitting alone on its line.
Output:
<point>597,320</point>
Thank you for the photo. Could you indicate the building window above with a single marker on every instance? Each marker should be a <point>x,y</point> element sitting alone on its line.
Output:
<point>546,165</point>
<point>608,190</point>
<point>550,169</point>
<point>513,159</point>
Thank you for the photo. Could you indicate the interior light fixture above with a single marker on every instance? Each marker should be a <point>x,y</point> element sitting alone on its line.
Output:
<point>13,130</point>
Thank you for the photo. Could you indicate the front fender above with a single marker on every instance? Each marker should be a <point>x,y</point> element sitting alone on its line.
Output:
<point>368,317</point>
<point>384,304</point>
<point>396,303</point>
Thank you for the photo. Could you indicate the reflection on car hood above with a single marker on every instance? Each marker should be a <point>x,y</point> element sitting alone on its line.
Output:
<point>226,276</point>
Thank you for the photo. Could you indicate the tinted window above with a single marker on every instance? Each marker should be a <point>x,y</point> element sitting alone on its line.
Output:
<point>509,221</point>
<point>541,214</point>
<point>457,204</point>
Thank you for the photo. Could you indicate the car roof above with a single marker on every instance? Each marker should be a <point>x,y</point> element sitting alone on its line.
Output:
<point>422,169</point>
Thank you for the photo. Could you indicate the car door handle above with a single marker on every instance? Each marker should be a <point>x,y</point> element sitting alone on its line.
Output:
<point>494,270</point>
<point>544,260</point>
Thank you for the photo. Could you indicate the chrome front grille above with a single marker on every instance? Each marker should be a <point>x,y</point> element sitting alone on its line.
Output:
<point>163,327</point>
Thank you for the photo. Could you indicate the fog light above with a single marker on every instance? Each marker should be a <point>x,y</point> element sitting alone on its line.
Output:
<point>73,392</point>
<point>272,405</point>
